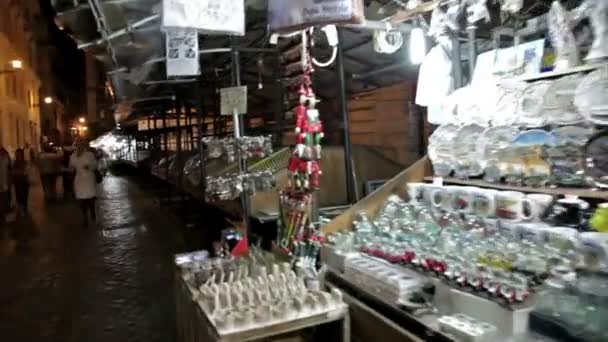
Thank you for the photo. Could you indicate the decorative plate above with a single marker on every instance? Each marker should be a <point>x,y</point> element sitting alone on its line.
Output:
<point>596,157</point>
<point>495,139</point>
<point>440,149</point>
<point>590,97</point>
<point>470,107</point>
<point>531,103</point>
<point>466,151</point>
<point>559,101</point>
<point>566,155</point>
<point>507,99</point>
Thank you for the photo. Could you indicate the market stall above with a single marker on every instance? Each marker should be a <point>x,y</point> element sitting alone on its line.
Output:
<point>499,233</point>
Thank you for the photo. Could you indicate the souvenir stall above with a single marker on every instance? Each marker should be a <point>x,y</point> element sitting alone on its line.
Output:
<point>500,233</point>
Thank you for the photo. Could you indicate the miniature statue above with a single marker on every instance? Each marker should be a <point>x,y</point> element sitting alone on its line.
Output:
<point>560,26</point>
<point>597,12</point>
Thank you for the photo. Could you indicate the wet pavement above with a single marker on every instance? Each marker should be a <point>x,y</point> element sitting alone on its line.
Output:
<point>110,282</point>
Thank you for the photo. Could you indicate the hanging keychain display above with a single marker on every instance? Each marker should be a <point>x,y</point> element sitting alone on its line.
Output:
<point>298,234</point>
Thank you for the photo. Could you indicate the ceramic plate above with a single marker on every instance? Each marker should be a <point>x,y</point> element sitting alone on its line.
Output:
<point>590,97</point>
<point>507,99</point>
<point>471,108</point>
<point>531,104</point>
<point>440,149</point>
<point>466,151</point>
<point>596,156</point>
<point>559,101</point>
<point>494,139</point>
<point>574,135</point>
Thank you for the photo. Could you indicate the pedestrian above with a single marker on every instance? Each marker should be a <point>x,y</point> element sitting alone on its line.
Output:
<point>85,182</point>
<point>67,174</point>
<point>48,165</point>
<point>23,177</point>
<point>5,187</point>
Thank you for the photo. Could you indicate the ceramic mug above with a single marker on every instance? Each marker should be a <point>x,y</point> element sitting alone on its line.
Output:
<point>563,238</point>
<point>539,205</point>
<point>534,232</point>
<point>570,211</point>
<point>415,191</point>
<point>484,202</point>
<point>511,206</point>
<point>594,248</point>
<point>429,192</point>
<point>443,198</point>
<point>462,199</point>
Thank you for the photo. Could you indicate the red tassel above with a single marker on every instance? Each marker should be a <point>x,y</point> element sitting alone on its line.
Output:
<point>241,248</point>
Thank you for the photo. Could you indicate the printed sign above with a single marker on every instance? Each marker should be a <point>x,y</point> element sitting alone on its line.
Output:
<point>234,99</point>
<point>182,52</point>
<point>207,16</point>
<point>284,15</point>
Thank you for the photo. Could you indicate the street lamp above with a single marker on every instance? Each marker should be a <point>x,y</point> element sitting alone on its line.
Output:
<point>14,65</point>
<point>82,120</point>
<point>48,100</point>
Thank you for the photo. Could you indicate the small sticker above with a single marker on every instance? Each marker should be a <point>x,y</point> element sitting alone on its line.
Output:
<point>438,181</point>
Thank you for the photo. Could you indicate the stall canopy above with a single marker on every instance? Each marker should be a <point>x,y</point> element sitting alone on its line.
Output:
<point>125,35</point>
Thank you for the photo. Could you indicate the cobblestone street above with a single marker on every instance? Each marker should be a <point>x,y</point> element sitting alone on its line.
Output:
<point>110,282</point>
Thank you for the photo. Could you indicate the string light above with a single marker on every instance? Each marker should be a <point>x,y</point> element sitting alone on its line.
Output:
<point>417,45</point>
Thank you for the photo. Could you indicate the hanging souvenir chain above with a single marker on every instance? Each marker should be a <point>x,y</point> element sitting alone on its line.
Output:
<point>305,163</point>
<point>248,147</point>
<point>231,187</point>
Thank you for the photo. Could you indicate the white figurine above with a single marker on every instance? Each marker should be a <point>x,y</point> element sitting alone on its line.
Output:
<point>560,25</point>
<point>597,12</point>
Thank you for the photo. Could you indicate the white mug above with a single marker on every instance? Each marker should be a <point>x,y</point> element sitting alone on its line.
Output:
<point>415,191</point>
<point>484,202</point>
<point>441,198</point>
<point>511,206</point>
<point>539,205</point>
<point>429,191</point>
<point>535,232</point>
<point>562,237</point>
<point>594,248</point>
<point>462,199</point>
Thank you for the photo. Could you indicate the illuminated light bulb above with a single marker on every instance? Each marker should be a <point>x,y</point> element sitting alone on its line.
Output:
<point>417,45</point>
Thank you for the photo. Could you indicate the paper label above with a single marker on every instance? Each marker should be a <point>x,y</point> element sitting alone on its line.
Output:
<point>233,99</point>
<point>182,52</point>
<point>210,16</point>
<point>285,14</point>
<point>438,181</point>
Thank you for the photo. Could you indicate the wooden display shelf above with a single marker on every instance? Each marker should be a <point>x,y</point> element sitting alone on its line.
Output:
<point>552,74</point>
<point>579,192</point>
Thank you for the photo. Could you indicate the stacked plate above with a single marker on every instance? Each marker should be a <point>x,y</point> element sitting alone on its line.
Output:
<point>596,159</point>
<point>494,143</point>
<point>590,97</point>
<point>507,101</point>
<point>440,149</point>
<point>566,156</point>
<point>467,151</point>
<point>531,103</point>
<point>559,101</point>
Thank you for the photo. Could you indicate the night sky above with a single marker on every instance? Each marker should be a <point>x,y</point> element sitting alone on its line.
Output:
<point>68,63</point>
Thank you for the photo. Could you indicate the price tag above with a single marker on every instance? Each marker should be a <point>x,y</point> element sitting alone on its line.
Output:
<point>438,181</point>
<point>206,16</point>
<point>233,99</point>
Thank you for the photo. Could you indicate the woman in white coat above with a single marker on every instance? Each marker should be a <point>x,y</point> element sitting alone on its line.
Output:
<point>85,183</point>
